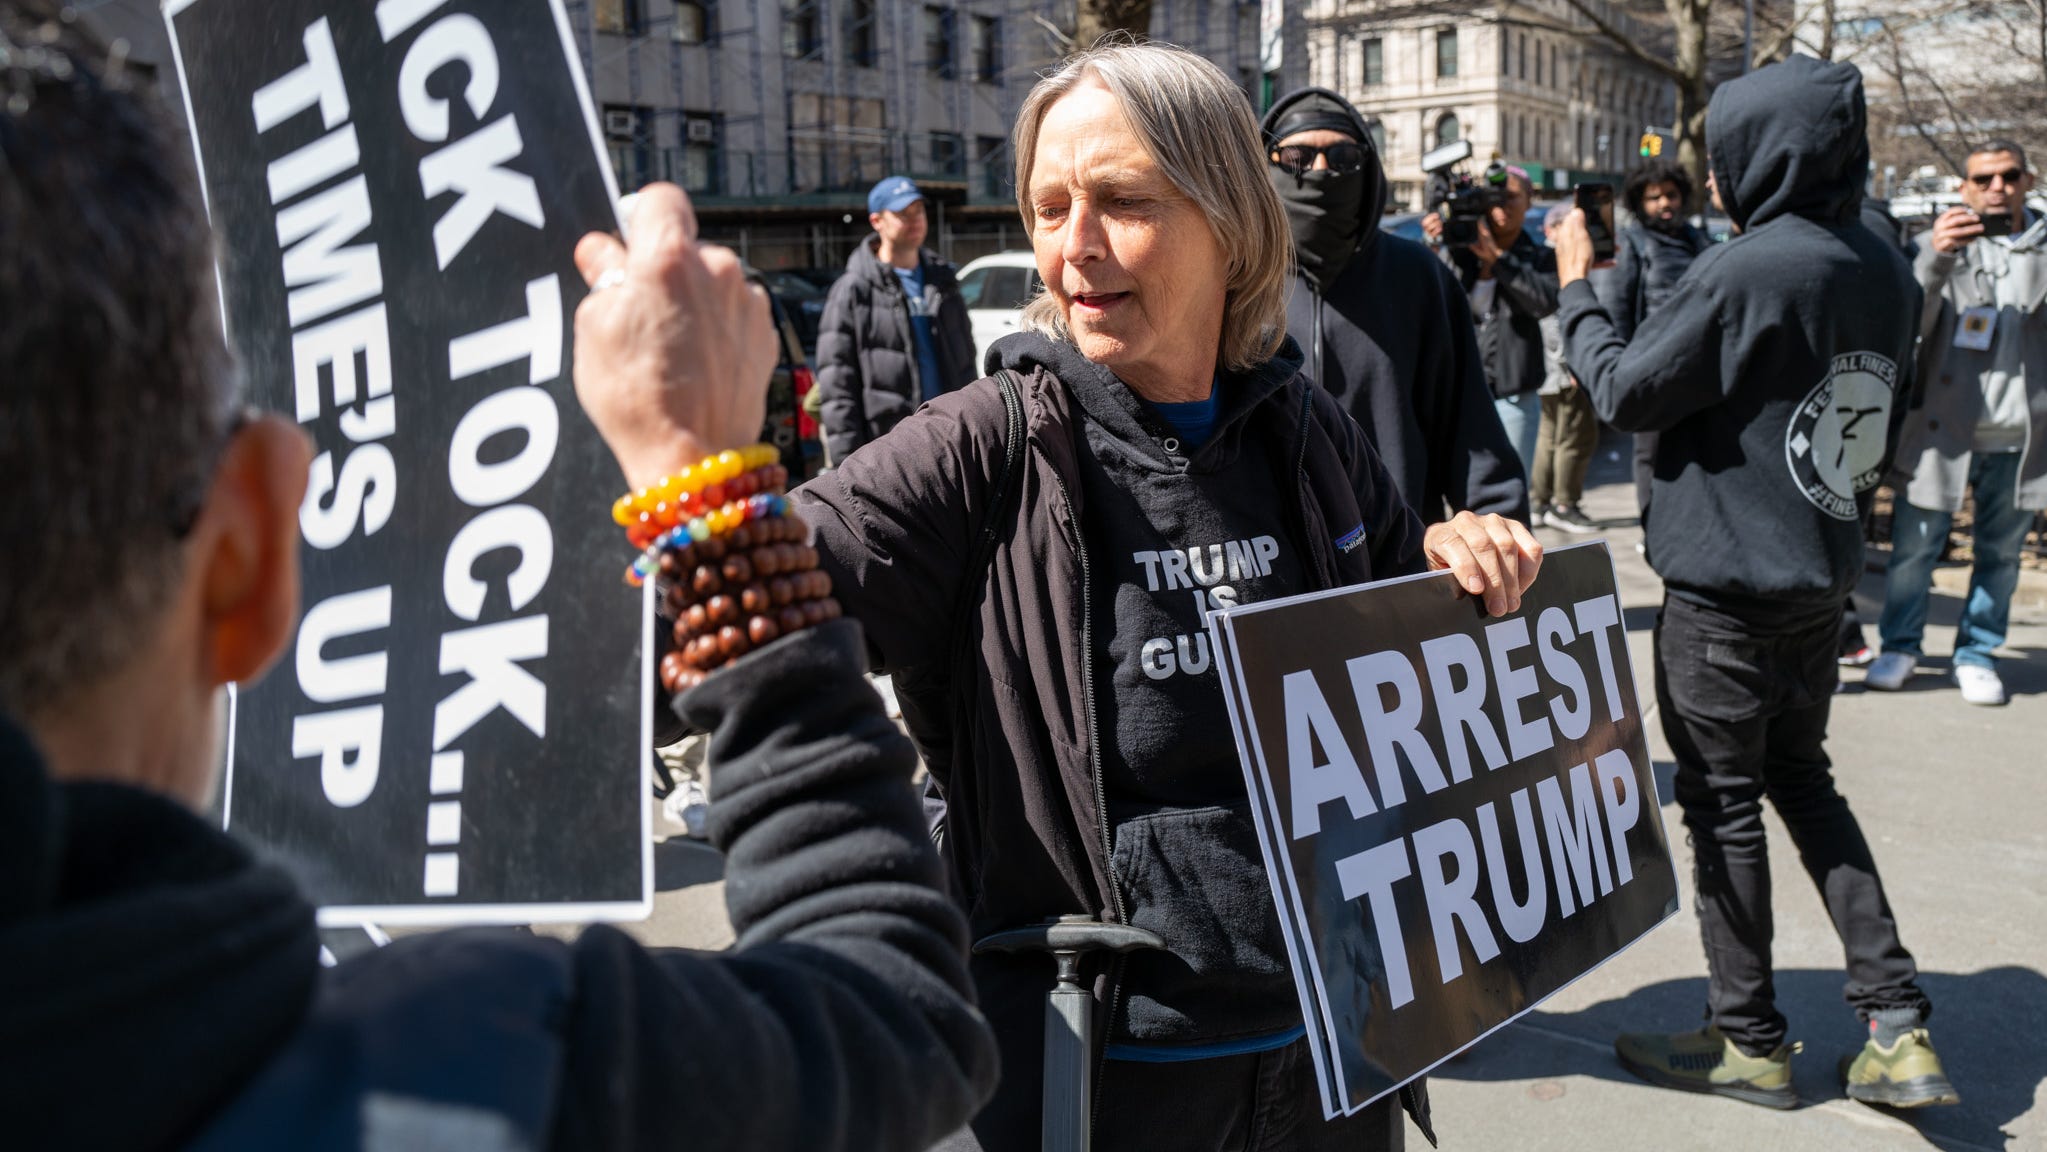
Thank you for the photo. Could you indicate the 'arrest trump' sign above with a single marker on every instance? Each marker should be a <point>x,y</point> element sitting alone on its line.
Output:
<point>1458,812</point>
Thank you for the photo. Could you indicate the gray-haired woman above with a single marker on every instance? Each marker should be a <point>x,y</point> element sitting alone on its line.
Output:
<point>1049,652</point>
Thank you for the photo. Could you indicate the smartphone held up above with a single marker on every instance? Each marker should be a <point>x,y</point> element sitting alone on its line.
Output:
<point>1596,201</point>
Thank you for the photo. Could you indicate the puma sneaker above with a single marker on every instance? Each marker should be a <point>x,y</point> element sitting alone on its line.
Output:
<point>1706,1061</point>
<point>1890,671</point>
<point>1906,1074</point>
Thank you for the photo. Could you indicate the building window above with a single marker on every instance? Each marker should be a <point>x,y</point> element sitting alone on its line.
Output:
<point>1521,134</point>
<point>992,154</point>
<point>1556,78</point>
<point>628,136</point>
<point>938,41</point>
<point>1375,62</point>
<point>1447,130</point>
<point>1521,52</point>
<point>697,166</point>
<point>1538,64</point>
<point>987,63</point>
<point>1377,131</point>
<point>621,16</point>
<point>948,154</point>
<point>802,37</point>
<point>862,33</point>
<point>1446,53</point>
<point>692,23</point>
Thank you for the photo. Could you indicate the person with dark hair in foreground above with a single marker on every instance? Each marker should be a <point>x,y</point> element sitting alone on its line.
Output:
<point>148,558</point>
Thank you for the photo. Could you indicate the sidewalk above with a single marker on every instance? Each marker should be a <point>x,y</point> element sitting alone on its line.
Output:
<point>1952,800</point>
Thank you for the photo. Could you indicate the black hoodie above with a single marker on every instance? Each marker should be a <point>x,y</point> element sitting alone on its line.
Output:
<point>1392,339</point>
<point>1776,369</point>
<point>159,987</point>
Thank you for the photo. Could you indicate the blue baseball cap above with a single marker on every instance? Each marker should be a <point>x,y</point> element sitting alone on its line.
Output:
<point>893,195</point>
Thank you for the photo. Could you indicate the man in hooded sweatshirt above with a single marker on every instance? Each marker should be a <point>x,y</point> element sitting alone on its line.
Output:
<point>1386,326</point>
<point>1775,376</point>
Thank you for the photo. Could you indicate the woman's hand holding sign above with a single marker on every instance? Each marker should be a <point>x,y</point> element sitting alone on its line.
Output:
<point>1491,556</point>
<point>673,345</point>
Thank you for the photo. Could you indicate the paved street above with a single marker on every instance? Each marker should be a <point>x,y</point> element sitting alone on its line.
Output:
<point>1952,799</point>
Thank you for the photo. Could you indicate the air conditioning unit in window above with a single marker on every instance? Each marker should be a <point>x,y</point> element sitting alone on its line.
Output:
<point>621,122</point>
<point>701,132</point>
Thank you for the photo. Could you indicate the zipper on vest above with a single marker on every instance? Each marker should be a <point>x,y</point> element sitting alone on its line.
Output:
<point>1094,756</point>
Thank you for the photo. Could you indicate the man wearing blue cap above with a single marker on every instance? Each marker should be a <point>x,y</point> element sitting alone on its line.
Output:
<point>895,331</point>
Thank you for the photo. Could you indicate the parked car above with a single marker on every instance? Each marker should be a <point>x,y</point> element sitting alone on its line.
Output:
<point>995,289</point>
<point>1407,225</point>
<point>788,426</point>
<point>805,303</point>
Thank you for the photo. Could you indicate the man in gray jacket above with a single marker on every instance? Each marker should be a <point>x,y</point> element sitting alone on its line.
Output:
<point>895,331</point>
<point>1981,425</point>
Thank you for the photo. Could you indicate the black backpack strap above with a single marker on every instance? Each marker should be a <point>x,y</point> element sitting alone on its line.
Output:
<point>998,490</point>
<point>964,661</point>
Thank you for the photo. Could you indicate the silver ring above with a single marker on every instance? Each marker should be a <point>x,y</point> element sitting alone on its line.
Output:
<point>612,278</point>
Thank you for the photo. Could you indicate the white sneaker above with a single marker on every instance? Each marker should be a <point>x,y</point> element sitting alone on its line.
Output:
<point>1980,685</point>
<point>687,805</point>
<point>1890,671</point>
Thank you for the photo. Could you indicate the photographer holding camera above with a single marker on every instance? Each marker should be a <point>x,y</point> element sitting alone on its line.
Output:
<point>1981,423</point>
<point>1512,283</point>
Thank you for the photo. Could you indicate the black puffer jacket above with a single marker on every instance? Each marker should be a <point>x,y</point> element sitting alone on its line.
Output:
<point>867,375</point>
<point>1647,265</point>
<point>984,654</point>
<point>135,937</point>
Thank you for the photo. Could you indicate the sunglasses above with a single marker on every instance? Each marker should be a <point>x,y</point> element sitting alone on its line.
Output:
<point>2011,176</point>
<point>1298,158</point>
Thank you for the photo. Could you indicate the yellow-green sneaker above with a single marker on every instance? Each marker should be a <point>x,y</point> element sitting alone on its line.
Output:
<point>1706,1061</point>
<point>1905,1075</point>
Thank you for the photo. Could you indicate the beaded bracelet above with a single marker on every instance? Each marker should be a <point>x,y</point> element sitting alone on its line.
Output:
<point>734,571</point>
<point>710,526</point>
<point>703,485</point>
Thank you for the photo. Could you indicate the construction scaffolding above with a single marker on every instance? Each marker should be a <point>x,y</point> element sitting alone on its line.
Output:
<point>778,115</point>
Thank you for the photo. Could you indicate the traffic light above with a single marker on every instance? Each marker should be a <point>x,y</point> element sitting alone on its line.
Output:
<point>1652,145</point>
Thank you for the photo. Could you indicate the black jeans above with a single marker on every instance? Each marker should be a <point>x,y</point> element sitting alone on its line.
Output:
<point>1256,1102</point>
<point>1745,708</point>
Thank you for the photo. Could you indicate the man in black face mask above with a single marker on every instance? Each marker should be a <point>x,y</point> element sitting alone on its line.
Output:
<point>1384,323</point>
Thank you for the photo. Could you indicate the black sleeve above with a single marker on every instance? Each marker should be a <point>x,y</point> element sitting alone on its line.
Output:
<point>1527,275</point>
<point>1480,469</point>
<point>1396,545</point>
<point>893,525</point>
<point>840,408</point>
<point>1670,370</point>
<point>843,1016</point>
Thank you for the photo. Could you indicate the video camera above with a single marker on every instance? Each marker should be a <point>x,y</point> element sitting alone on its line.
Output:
<point>1460,198</point>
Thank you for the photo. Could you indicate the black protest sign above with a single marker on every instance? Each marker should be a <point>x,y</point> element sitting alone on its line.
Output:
<point>1458,812</point>
<point>458,731</point>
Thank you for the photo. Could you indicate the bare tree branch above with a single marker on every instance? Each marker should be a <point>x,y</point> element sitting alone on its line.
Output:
<point>1625,43</point>
<point>1918,123</point>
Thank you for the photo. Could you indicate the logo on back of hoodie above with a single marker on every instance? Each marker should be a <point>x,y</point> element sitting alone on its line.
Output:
<point>1834,444</point>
